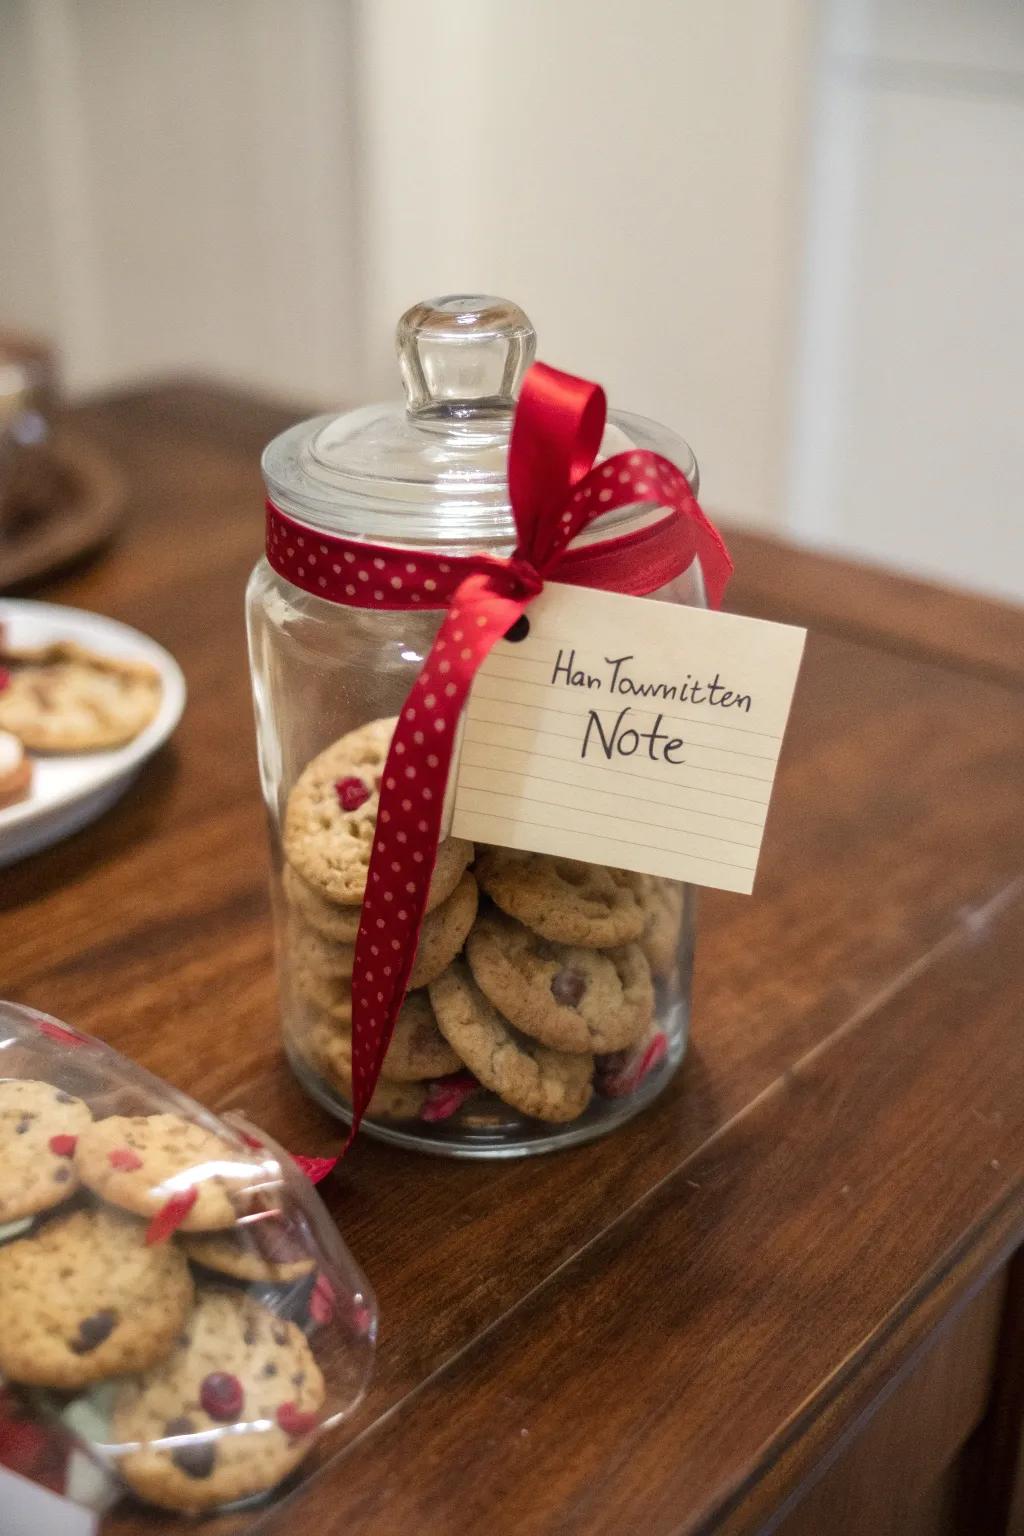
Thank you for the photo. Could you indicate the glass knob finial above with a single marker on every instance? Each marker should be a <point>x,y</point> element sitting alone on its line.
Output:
<point>463,356</point>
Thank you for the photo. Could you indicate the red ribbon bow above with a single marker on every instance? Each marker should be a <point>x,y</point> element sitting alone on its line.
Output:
<point>556,491</point>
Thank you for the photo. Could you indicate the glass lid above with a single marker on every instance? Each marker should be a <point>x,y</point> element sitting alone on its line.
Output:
<point>432,470</point>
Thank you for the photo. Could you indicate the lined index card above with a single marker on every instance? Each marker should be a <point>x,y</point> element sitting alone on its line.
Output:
<point>628,732</point>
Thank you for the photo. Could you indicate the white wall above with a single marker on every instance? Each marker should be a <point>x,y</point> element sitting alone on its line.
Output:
<point>909,445</point>
<point>257,188</point>
<point>629,173</point>
<point>793,229</point>
<point>188,173</point>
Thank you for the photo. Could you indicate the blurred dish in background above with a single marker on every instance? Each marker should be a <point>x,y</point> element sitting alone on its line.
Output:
<point>62,697</point>
<point>59,497</point>
<point>71,788</point>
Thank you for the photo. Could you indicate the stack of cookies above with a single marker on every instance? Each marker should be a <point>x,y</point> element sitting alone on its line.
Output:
<point>188,1331</point>
<point>534,978</point>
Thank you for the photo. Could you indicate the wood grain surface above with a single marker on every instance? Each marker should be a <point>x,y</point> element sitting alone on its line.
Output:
<point>679,1328</point>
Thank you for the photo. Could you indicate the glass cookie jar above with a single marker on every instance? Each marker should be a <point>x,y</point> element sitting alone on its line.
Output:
<point>549,999</point>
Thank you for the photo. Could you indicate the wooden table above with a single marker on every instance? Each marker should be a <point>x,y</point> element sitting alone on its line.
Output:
<point>785,1298</point>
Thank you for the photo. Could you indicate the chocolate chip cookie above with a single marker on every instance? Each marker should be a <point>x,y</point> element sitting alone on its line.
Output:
<point>265,1250</point>
<point>85,1297</point>
<point>567,997</point>
<point>39,1129</point>
<point>549,1085</point>
<point>232,1409</point>
<point>562,899</point>
<point>331,817</point>
<point>140,1162</point>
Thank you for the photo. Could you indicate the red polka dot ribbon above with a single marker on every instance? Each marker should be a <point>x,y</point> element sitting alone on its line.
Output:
<point>556,490</point>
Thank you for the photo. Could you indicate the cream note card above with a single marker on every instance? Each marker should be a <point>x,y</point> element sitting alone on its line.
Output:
<point>629,732</point>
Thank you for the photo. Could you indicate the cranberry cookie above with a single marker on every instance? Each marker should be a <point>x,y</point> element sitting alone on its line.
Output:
<point>39,1130</point>
<point>331,817</point>
<point>549,1085</point>
<point>236,1364</point>
<point>561,899</point>
<point>567,997</point>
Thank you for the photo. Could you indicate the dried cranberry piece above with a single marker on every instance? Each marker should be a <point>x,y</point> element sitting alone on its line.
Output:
<point>622,1073</point>
<point>62,1146</point>
<point>93,1330</point>
<point>321,1300</point>
<point>568,987</point>
<point>351,793</point>
<point>124,1159</point>
<point>5,678</point>
<point>294,1421</point>
<point>170,1216</point>
<point>446,1096</point>
<point>221,1396</point>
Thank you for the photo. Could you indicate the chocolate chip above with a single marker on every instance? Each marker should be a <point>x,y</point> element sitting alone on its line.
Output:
<point>61,1175</point>
<point>298,1378</point>
<point>22,1126</point>
<point>279,1335</point>
<point>194,1460</point>
<point>93,1330</point>
<point>270,1369</point>
<point>249,1336</point>
<point>568,987</point>
<point>64,1098</point>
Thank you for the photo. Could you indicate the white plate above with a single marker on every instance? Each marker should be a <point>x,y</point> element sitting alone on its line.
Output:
<point>73,789</point>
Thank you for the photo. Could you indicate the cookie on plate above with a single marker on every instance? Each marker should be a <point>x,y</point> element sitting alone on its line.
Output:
<point>265,1249</point>
<point>332,1055</point>
<point>65,698</point>
<point>567,997</point>
<point>85,1297</point>
<point>39,1129</point>
<point>549,1085</point>
<point>140,1162</point>
<point>442,936</point>
<point>562,899</point>
<point>15,770</point>
<point>331,817</point>
<point>235,1406</point>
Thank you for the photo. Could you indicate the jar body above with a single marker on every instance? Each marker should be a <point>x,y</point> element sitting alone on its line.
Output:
<point>321,671</point>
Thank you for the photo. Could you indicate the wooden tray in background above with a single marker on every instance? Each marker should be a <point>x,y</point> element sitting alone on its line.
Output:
<point>84,502</point>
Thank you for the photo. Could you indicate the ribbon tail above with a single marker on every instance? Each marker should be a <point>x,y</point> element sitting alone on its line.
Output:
<point>715,560</point>
<point>412,793</point>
